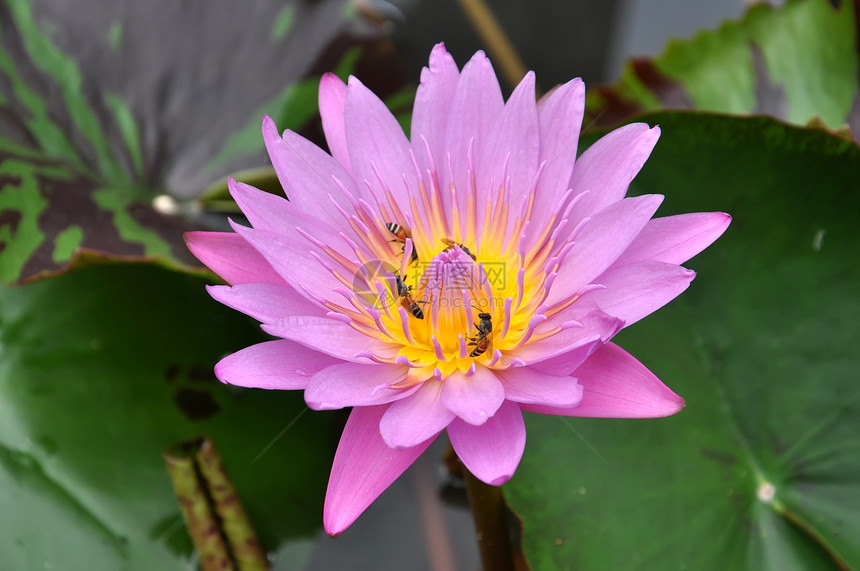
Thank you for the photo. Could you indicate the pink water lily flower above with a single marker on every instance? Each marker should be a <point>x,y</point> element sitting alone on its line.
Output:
<point>453,279</point>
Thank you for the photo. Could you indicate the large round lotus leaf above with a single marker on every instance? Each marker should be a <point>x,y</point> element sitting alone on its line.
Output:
<point>762,468</point>
<point>101,370</point>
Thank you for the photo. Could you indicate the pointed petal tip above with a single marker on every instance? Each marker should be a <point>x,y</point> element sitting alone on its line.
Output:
<point>334,526</point>
<point>198,243</point>
<point>527,83</point>
<point>641,129</point>
<point>478,57</point>
<point>270,130</point>
<point>439,49</point>
<point>219,373</point>
<point>576,88</point>
<point>672,404</point>
<point>224,372</point>
<point>233,187</point>
<point>332,88</point>
<point>439,62</point>
<point>238,228</point>
<point>723,221</point>
<point>246,196</point>
<point>500,480</point>
<point>657,199</point>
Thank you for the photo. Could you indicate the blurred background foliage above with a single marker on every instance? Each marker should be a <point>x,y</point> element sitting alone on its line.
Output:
<point>118,124</point>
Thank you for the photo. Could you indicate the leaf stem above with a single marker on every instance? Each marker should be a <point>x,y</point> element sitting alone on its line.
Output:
<point>217,523</point>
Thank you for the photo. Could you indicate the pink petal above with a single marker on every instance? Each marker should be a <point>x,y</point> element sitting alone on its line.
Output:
<point>475,398</point>
<point>307,174</point>
<point>560,115</point>
<point>264,210</point>
<point>376,142</point>
<point>281,365</point>
<point>476,106</point>
<point>603,239</point>
<point>265,302</point>
<point>432,104</point>
<point>363,468</point>
<point>412,420</point>
<point>636,290</point>
<point>616,385</point>
<point>332,95</point>
<point>528,385</point>
<point>231,257</point>
<point>676,239</point>
<point>513,139</point>
<point>493,450</point>
<point>597,327</point>
<point>354,384</point>
<point>272,213</point>
<point>291,259</point>
<point>606,168</point>
<point>329,336</point>
<point>567,362</point>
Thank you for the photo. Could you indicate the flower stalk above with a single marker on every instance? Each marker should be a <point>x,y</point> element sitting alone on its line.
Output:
<point>491,525</point>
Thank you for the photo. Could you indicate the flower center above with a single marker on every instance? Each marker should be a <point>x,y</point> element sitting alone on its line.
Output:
<point>454,289</point>
<point>465,305</point>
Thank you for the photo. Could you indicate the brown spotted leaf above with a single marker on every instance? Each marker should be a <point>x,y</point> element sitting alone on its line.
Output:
<point>105,105</point>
